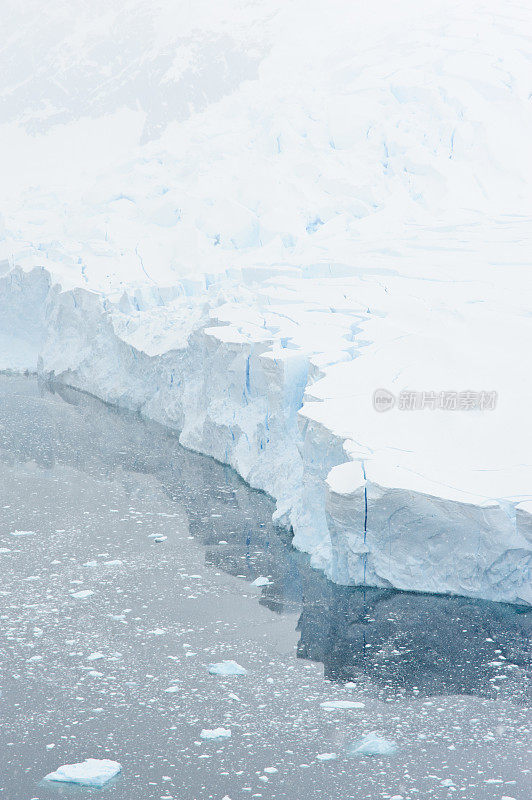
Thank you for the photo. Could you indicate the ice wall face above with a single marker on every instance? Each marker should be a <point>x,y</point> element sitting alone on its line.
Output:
<point>222,392</point>
<point>23,298</point>
<point>233,393</point>
<point>387,533</point>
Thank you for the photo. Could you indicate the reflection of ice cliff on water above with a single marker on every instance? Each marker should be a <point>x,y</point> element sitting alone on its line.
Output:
<point>396,641</point>
<point>406,642</point>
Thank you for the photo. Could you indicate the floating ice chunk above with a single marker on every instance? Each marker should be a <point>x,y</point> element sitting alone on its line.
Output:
<point>373,745</point>
<point>22,533</point>
<point>329,705</point>
<point>90,564</point>
<point>227,668</point>
<point>215,733</point>
<point>82,594</point>
<point>95,656</point>
<point>5,549</point>
<point>271,770</point>
<point>91,772</point>
<point>261,581</point>
<point>326,756</point>
<point>172,689</point>
<point>115,563</point>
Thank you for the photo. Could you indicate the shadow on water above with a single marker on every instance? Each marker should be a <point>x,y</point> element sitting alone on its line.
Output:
<point>392,641</point>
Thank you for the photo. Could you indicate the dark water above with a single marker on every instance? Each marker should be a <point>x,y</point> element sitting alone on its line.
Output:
<point>447,678</point>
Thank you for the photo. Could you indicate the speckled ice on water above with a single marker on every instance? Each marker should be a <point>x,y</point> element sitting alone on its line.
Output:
<point>445,678</point>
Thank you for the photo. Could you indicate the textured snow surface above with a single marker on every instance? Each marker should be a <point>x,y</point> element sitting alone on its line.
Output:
<point>91,772</point>
<point>309,207</point>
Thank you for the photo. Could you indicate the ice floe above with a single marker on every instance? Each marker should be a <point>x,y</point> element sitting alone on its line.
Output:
<point>227,668</point>
<point>331,705</point>
<point>372,745</point>
<point>91,772</point>
<point>215,733</point>
<point>261,581</point>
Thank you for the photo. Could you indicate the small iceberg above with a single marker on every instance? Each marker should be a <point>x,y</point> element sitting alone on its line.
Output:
<point>91,772</point>
<point>227,668</point>
<point>261,581</point>
<point>372,745</point>
<point>82,594</point>
<point>330,705</point>
<point>215,733</point>
<point>22,533</point>
<point>96,656</point>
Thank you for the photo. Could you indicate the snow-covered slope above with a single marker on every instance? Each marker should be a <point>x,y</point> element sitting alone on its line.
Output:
<point>243,219</point>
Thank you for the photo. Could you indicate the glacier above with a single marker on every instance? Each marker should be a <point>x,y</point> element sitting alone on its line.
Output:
<point>249,268</point>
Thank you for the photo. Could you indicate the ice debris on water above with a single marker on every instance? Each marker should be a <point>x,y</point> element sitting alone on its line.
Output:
<point>326,756</point>
<point>82,594</point>
<point>227,668</point>
<point>330,705</point>
<point>373,745</point>
<point>22,533</point>
<point>91,772</point>
<point>215,733</point>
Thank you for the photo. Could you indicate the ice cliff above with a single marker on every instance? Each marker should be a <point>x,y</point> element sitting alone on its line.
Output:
<point>309,208</point>
<point>235,390</point>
